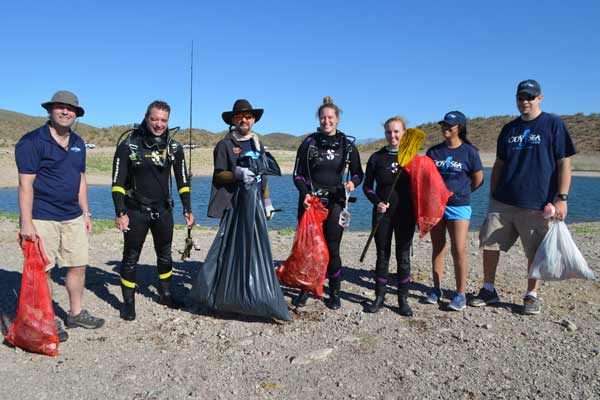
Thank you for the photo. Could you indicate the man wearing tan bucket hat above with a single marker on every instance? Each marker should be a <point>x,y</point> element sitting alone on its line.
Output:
<point>53,199</point>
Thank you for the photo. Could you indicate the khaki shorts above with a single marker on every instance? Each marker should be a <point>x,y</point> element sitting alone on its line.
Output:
<point>505,223</point>
<point>65,242</point>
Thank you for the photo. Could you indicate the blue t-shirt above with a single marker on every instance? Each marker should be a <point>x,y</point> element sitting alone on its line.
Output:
<point>530,151</point>
<point>57,173</point>
<point>456,167</point>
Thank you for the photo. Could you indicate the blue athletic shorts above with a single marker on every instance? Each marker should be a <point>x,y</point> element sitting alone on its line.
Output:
<point>458,212</point>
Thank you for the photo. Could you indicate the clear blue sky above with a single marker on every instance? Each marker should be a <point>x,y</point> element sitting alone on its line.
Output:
<point>376,58</point>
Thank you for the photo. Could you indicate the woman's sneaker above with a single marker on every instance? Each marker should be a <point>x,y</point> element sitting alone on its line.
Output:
<point>458,303</point>
<point>434,296</point>
<point>484,298</point>
<point>531,305</point>
<point>84,320</point>
<point>60,331</point>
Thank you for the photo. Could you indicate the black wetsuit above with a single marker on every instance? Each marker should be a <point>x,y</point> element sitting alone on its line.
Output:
<point>398,220</point>
<point>140,188</point>
<point>319,170</point>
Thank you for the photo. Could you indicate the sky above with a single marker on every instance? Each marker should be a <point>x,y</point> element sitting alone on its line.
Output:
<point>375,59</point>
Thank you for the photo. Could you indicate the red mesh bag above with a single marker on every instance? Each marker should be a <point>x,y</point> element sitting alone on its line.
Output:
<point>306,266</point>
<point>429,193</point>
<point>34,328</point>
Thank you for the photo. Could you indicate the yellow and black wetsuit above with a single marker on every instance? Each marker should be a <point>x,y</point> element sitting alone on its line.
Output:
<point>141,189</point>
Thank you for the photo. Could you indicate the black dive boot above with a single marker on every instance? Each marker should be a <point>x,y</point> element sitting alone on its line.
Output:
<point>301,299</point>
<point>166,298</point>
<point>405,309</point>
<point>128,308</point>
<point>334,302</point>
<point>380,289</point>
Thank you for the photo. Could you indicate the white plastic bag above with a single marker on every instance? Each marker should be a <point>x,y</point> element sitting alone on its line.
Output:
<point>558,258</point>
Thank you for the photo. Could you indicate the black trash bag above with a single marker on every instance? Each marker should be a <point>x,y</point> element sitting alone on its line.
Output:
<point>237,274</point>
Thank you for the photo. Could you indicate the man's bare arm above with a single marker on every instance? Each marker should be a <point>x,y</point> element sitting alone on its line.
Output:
<point>26,228</point>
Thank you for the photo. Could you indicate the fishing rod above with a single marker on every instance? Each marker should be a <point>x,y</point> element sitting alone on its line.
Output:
<point>189,242</point>
<point>191,97</point>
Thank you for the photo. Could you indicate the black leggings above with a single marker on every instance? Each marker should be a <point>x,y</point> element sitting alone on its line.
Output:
<point>402,226</point>
<point>161,228</point>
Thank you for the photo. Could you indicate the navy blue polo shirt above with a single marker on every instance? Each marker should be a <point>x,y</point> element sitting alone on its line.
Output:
<point>57,173</point>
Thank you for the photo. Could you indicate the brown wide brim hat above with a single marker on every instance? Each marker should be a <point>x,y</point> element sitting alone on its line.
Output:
<point>65,97</point>
<point>242,106</point>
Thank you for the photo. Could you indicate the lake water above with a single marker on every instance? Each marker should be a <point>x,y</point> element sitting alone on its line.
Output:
<point>584,202</point>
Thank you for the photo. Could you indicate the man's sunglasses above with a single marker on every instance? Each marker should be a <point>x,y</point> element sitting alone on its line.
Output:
<point>239,117</point>
<point>526,97</point>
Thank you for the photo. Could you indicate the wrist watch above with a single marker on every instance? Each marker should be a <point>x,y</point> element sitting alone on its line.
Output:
<point>562,196</point>
<point>87,214</point>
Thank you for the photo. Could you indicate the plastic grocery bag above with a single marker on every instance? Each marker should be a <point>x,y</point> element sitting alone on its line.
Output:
<point>306,266</point>
<point>34,328</point>
<point>558,258</point>
<point>429,193</point>
<point>237,274</point>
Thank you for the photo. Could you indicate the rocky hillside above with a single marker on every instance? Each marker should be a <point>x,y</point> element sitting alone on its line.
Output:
<point>483,132</point>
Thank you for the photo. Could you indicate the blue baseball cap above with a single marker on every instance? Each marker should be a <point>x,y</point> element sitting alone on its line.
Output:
<point>454,118</point>
<point>530,87</point>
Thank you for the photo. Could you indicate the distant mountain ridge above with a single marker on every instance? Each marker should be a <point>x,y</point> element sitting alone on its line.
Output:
<point>483,132</point>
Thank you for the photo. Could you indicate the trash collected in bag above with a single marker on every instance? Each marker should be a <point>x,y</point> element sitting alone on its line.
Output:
<point>429,193</point>
<point>558,257</point>
<point>306,266</point>
<point>34,327</point>
<point>237,274</point>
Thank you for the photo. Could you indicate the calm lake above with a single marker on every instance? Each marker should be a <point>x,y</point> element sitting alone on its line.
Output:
<point>584,202</point>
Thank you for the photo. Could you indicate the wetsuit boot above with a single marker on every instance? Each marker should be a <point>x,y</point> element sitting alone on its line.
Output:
<point>334,302</point>
<point>166,298</point>
<point>301,299</point>
<point>128,308</point>
<point>405,309</point>
<point>380,289</point>
<point>128,277</point>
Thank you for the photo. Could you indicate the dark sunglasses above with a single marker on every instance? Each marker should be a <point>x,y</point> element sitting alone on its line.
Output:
<point>526,97</point>
<point>239,117</point>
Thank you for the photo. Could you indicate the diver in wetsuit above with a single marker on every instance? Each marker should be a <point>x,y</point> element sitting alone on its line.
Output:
<point>319,171</point>
<point>142,200</point>
<point>395,216</point>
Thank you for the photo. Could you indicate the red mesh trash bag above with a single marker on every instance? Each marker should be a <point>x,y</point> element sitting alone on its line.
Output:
<point>34,328</point>
<point>306,266</point>
<point>429,193</point>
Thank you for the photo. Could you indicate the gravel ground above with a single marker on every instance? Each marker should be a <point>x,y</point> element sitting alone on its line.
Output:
<point>481,353</point>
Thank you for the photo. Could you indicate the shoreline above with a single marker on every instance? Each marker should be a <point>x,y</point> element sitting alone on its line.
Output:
<point>100,159</point>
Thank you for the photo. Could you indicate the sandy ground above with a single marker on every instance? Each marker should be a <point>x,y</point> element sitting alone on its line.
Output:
<point>481,353</point>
